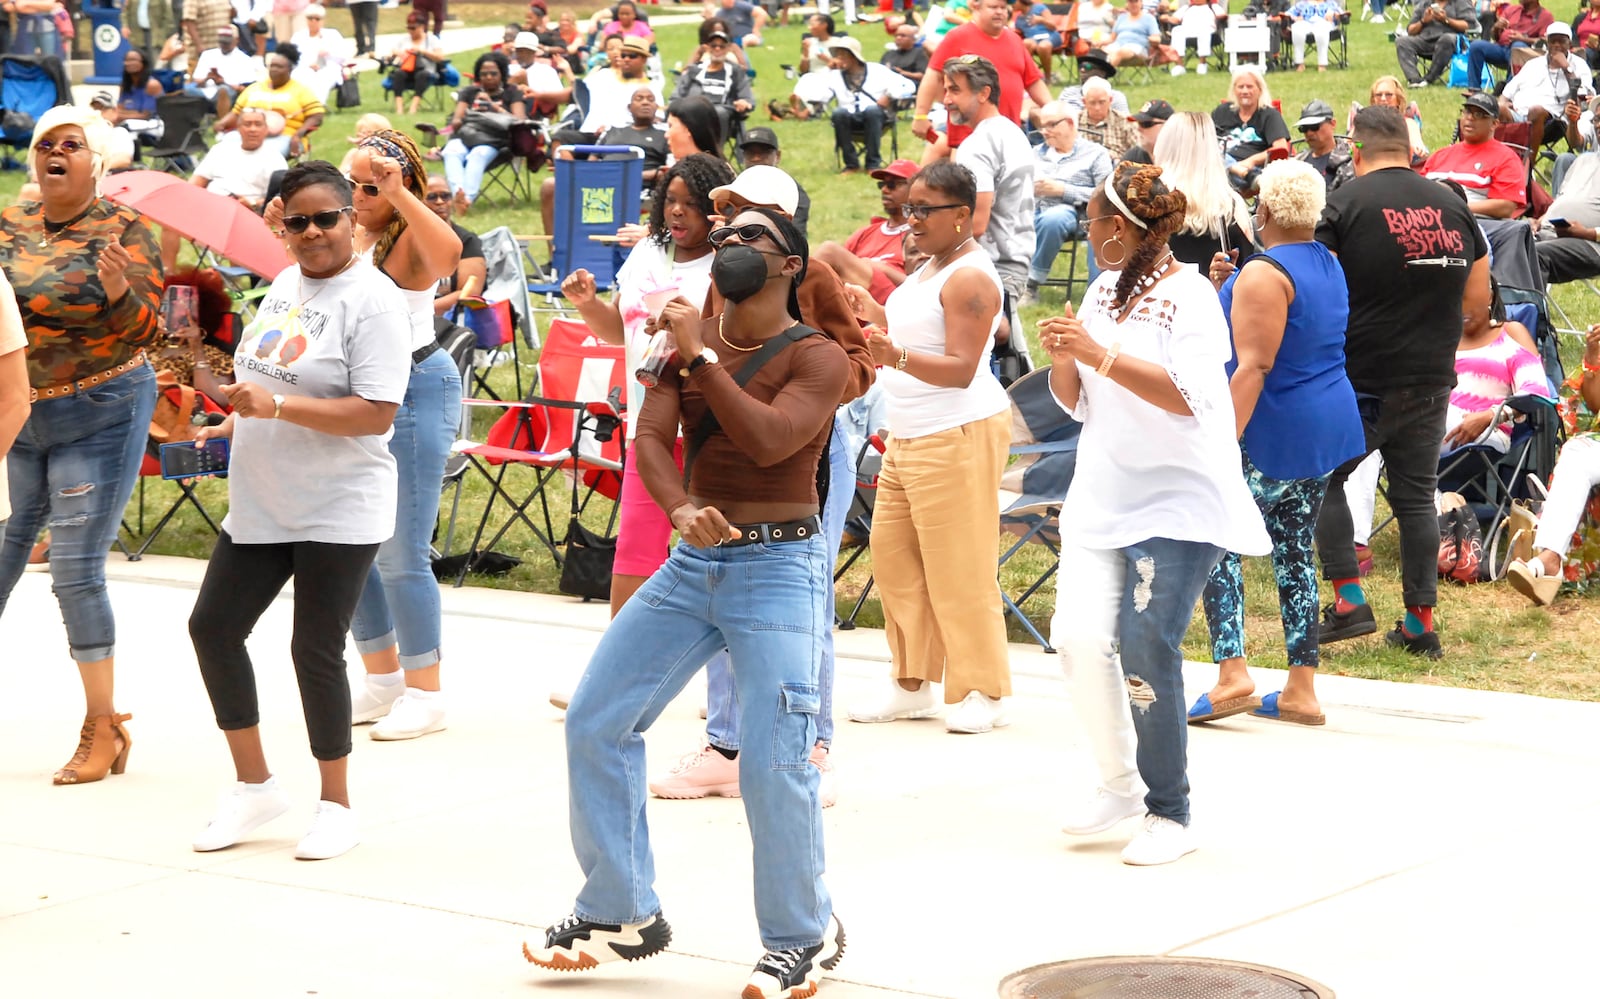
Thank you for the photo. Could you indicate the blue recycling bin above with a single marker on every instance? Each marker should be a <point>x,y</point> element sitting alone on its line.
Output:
<point>110,47</point>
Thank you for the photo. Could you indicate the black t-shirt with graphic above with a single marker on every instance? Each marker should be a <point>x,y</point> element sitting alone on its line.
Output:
<point>1242,138</point>
<point>1407,246</point>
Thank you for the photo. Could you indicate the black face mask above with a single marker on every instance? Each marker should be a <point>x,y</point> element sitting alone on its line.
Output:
<point>739,272</point>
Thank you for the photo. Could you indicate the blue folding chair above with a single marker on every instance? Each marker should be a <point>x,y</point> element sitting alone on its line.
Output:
<point>594,197</point>
<point>30,86</point>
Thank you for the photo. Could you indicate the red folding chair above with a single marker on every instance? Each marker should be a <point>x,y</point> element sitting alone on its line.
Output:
<point>576,430</point>
<point>150,468</point>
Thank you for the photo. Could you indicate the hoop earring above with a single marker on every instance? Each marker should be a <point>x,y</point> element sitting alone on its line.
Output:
<point>1120,260</point>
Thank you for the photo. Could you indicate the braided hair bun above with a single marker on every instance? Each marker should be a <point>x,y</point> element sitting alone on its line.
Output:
<point>1160,211</point>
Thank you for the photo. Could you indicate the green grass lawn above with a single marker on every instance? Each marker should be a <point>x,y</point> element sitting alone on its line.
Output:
<point>1492,638</point>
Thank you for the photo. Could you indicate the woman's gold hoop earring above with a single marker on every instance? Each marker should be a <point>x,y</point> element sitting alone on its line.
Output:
<point>1120,260</point>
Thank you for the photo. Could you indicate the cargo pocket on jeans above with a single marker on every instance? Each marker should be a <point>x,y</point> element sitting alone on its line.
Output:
<point>794,731</point>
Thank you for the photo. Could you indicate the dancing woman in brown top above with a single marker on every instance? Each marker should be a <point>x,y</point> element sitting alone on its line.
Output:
<point>745,577</point>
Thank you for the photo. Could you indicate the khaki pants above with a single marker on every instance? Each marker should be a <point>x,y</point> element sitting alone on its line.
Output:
<point>935,555</point>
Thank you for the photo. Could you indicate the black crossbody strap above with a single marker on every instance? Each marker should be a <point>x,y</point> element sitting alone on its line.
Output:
<point>708,423</point>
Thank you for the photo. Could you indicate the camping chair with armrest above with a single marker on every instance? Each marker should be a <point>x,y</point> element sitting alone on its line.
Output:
<point>858,523</point>
<point>576,430</point>
<point>594,197</point>
<point>182,121</point>
<point>29,86</point>
<point>186,400</point>
<point>501,315</point>
<point>1044,449</point>
<point>514,166</point>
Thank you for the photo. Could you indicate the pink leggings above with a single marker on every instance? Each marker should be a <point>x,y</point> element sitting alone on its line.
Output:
<point>643,529</point>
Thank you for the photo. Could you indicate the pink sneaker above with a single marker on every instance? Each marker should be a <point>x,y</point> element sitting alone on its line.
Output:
<point>828,790</point>
<point>699,774</point>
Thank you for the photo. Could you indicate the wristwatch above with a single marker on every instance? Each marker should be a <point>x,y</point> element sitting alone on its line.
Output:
<point>277,406</point>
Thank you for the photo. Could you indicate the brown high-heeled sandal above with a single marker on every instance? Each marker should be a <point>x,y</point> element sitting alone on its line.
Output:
<point>98,751</point>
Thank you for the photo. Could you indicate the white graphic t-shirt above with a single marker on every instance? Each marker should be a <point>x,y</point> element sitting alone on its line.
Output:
<point>324,339</point>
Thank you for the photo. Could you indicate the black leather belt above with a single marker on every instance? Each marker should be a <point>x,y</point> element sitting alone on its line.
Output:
<point>793,530</point>
<point>423,353</point>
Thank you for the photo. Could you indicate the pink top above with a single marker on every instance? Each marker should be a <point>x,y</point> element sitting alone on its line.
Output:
<point>1486,375</point>
<point>638,30</point>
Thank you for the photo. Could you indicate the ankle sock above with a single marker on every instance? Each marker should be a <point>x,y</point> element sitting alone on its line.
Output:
<point>394,679</point>
<point>1348,594</point>
<point>727,754</point>
<point>1418,621</point>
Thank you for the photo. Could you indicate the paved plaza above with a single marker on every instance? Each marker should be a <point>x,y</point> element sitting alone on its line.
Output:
<point>1428,842</point>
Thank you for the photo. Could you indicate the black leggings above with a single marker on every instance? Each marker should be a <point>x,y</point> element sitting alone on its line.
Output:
<point>241,582</point>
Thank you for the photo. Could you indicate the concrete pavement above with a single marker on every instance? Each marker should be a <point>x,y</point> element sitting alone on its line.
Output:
<point>1427,842</point>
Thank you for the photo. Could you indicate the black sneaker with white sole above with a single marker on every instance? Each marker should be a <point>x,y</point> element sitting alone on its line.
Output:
<point>1425,644</point>
<point>575,944</point>
<point>1353,623</point>
<point>792,974</point>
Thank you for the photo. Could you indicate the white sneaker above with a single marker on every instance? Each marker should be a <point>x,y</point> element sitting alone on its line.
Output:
<point>1103,811</point>
<point>1202,69</point>
<point>977,713</point>
<point>375,696</point>
<point>240,810</point>
<point>1161,841</point>
<point>416,713</point>
<point>333,832</point>
<point>895,702</point>
<point>1178,70</point>
<point>560,698</point>
<point>828,790</point>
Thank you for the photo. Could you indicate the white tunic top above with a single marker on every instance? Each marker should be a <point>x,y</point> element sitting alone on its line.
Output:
<point>1144,472</point>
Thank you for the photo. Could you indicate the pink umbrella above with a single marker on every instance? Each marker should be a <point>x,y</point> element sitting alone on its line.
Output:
<point>229,228</point>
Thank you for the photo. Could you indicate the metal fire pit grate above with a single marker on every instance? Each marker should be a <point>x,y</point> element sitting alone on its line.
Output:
<point>1158,978</point>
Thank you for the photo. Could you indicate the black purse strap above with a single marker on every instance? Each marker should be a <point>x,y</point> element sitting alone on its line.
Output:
<point>708,423</point>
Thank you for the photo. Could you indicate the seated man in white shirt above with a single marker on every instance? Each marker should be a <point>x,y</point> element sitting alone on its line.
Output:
<point>610,94</point>
<point>222,72</point>
<point>866,93</point>
<point>545,77</point>
<point>240,170</point>
<point>1544,84</point>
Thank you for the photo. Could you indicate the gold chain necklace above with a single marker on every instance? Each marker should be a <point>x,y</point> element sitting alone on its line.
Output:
<point>300,306</point>
<point>937,266</point>
<point>60,227</point>
<point>722,331</point>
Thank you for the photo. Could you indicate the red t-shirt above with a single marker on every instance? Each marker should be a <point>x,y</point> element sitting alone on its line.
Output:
<point>1488,170</point>
<point>879,240</point>
<point>1017,71</point>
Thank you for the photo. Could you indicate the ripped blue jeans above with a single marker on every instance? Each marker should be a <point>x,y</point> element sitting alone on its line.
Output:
<point>1130,607</point>
<point>770,605</point>
<point>72,470</point>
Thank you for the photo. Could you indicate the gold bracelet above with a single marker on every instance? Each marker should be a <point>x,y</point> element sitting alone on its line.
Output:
<point>1109,359</point>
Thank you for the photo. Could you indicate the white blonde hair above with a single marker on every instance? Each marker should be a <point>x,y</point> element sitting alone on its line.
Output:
<point>1294,192</point>
<point>97,134</point>
<point>1190,159</point>
<point>1254,72</point>
<point>1096,85</point>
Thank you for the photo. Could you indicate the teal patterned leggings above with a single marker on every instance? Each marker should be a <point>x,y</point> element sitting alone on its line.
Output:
<point>1290,508</point>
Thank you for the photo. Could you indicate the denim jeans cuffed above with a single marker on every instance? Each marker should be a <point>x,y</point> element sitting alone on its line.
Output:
<point>402,596</point>
<point>722,706</point>
<point>767,604</point>
<point>1132,604</point>
<point>72,469</point>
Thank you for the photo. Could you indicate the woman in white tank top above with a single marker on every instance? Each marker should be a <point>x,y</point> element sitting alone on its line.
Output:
<point>938,505</point>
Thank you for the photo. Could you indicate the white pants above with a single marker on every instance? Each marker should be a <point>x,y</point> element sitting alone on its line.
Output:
<point>849,10</point>
<point>1361,492</point>
<point>1577,472</point>
<point>1321,30</point>
<point>1089,588</point>
<point>1182,36</point>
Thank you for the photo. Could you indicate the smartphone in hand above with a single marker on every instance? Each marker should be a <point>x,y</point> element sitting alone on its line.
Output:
<point>182,460</point>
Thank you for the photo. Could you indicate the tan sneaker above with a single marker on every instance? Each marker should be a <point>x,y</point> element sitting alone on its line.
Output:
<point>698,775</point>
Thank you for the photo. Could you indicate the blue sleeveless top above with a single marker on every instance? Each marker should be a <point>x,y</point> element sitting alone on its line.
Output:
<point>1306,423</point>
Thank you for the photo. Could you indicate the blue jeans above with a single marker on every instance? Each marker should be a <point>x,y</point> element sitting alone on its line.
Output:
<point>1132,603</point>
<point>1479,53</point>
<point>72,470</point>
<point>768,604</point>
<point>1052,227</point>
<point>401,593</point>
<point>722,703</point>
<point>37,32</point>
<point>464,168</point>
<point>1289,507</point>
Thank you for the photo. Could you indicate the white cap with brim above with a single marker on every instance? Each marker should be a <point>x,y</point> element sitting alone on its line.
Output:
<point>526,40</point>
<point>762,185</point>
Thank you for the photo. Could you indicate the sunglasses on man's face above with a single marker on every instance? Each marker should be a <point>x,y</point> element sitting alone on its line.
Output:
<point>436,197</point>
<point>747,234</point>
<point>322,220</point>
<point>891,183</point>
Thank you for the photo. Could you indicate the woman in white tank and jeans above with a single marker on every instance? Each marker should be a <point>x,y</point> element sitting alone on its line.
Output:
<point>938,505</point>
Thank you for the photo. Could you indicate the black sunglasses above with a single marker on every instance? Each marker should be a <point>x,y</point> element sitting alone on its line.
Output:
<point>323,220</point>
<point>921,212</point>
<point>433,196</point>
<point>892,182</point>
<point>746,233</point>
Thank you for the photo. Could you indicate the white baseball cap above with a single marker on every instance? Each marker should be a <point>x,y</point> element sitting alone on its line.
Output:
<point>526,40</point>
<point>762,185</point>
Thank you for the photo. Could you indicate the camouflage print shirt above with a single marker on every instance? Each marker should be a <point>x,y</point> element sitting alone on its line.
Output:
<point>73,332</point>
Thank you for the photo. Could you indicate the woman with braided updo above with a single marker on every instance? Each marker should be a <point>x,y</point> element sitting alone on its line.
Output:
<point>1157,498</point>
<point>397,622</point>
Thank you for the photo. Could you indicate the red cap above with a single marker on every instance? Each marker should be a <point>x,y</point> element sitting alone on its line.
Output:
<point>904,169</point>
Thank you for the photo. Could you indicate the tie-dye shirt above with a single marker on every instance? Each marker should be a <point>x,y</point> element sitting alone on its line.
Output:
<point>1487,375</point>
<point>73,332</point>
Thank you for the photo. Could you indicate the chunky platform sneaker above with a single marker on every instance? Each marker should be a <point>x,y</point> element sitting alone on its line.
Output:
<point>1353,623</point>
<point>575,944</point>
<point>792,974</point>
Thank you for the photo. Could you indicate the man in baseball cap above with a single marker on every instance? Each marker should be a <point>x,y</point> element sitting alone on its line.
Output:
<point>1491,172</point>
<point>874,255</point>
<point>1151,118</point>
<point>760,148</point>
<point>1328,154</point>
<point>1541,90</point>
<point>863,91</point>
